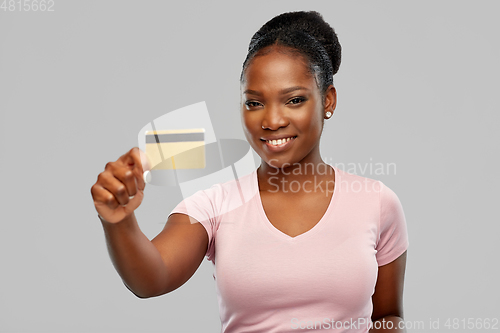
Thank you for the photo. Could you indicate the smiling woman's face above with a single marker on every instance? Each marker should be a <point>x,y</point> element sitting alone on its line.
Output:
<point>282,109</point>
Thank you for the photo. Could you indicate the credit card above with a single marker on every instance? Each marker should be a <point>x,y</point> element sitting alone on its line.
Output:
<point>176,149</point>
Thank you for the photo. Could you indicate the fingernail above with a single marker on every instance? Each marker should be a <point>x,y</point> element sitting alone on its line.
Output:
<point>146,176</point>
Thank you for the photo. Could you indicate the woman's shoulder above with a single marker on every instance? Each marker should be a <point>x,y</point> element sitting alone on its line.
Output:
<point>221,197</point>
<point>232,185</point>
<point>366,188</point>
<point>352,179</point>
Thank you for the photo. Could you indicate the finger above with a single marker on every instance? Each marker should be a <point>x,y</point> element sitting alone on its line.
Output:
<point>102,196</point>
<point>127,177</point>
<point>133,158</point>
<point>114,186</point>
<point>141,165</point>
<point>136,160</point>
<point>133,203</point>
<point>146,165</point>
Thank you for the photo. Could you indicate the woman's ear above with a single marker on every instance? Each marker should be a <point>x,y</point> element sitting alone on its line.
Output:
<point>330,101</point>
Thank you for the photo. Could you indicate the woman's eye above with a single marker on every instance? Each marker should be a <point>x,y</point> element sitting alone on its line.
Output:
<point>252,104</point>
<point>297,100</point>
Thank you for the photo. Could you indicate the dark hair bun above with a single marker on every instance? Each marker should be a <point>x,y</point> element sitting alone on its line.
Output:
<point>311,23</point>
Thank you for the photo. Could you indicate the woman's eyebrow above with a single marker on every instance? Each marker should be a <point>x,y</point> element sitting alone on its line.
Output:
<point>282,92</point>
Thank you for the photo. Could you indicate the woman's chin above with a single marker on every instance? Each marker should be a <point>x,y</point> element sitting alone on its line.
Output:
<point>278,163</point>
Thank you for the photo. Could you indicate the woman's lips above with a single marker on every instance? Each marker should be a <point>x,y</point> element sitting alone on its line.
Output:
<point>277,145</point>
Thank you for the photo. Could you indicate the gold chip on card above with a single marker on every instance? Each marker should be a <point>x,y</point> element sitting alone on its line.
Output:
<point>176,149</point>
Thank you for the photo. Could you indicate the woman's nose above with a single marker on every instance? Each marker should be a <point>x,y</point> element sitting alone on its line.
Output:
<point>274,118</point>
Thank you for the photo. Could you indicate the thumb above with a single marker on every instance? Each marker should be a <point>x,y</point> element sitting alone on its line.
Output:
<point>133,203</point>
<point>146,167</point>
<point>146,164</point>
<point>141,165</point>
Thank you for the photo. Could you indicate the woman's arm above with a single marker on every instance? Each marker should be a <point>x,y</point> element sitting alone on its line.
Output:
<point>388,297</point>
<point>148,268</point>
<point>156,267</point>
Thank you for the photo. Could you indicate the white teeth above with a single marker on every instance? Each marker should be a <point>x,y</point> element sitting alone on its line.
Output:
<point>279,141</point>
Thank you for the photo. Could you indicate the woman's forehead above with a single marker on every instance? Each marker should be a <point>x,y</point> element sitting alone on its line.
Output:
<point>277,68</point>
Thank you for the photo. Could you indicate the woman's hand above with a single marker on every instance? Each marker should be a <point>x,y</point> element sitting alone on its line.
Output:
<point>119,189</point>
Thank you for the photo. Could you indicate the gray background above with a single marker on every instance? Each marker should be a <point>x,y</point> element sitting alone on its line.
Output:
<point>418,86</point>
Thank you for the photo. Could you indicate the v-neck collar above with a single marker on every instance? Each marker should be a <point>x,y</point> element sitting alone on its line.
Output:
<point>316,227</point>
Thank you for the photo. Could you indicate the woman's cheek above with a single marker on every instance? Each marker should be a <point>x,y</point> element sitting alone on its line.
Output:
<point>250,123</point>
<point>248,128</point>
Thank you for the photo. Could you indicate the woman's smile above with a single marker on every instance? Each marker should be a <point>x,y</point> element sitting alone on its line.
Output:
<point>278,143</point>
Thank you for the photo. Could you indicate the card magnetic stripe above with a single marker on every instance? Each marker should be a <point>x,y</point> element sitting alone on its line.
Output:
<point>174,137</point>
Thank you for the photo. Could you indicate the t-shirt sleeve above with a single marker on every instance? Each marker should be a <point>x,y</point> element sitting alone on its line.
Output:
<point>393,234</point>
<point>203,207</point>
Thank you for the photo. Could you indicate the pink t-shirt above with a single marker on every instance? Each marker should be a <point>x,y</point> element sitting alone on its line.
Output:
<point>320,280</point>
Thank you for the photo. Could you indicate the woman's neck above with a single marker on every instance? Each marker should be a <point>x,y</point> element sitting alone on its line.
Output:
<point>301,177</point>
